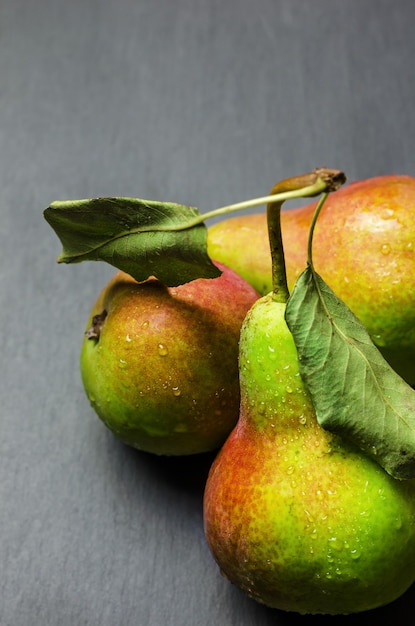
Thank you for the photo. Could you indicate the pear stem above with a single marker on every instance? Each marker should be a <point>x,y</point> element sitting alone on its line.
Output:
<point>304,186</point>
<point>232,208</point>
<point>312,227</point>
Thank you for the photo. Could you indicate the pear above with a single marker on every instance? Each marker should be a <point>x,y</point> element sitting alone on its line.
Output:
<point>241,243</point>
<point>364,248</point>
<point>294,515</point>
<point>160,365</point>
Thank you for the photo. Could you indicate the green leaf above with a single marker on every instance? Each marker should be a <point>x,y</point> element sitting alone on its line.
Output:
<point>141,237</point>
<point>356,394</point>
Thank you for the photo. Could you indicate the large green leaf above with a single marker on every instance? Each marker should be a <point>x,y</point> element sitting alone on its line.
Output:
<point>141,237</point>
<point>355,392</point>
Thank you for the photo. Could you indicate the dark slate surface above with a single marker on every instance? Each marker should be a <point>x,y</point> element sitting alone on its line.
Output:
<point>203,102</point>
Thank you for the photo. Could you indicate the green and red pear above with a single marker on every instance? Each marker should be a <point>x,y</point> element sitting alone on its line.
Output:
<point>294,516</point>
<point>160,364</point>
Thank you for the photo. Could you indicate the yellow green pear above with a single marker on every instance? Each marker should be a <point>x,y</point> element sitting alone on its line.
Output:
<point>364,248</point>
<point>294,516</point>
<point>160,364</point>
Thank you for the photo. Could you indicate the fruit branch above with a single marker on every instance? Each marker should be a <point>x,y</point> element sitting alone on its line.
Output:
<point>245,204</point>
<point>304,186</point>
<point>167,240</point>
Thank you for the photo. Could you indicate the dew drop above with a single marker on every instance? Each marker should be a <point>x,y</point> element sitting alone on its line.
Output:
<point>387,214</point>
<point>261,408</point>
<point>289,389</point>
<point>162,349</point>
<point>271,351</point>
<point>122,364</point>
<point>355,554</point>
<point>128,339</point>
<point>176,392</point>
<point>290,469</point>
<point>144,325</point>
<point>335,544</point>
<point>409,245</point>
<point>385,249</point>
<point>302,419</point>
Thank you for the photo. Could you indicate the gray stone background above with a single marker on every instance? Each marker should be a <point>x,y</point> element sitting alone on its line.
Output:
<point>204,102</point>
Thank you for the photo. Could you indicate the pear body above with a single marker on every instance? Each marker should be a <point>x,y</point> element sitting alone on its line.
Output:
<point>364,248</point>
<point>294,516</point>
<point>162,374</point>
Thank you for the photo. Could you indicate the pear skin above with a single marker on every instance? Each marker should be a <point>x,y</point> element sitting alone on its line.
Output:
<point>294,516</point>
<point>242,243</point>
<point>160,365</point>
<point>364,248</point>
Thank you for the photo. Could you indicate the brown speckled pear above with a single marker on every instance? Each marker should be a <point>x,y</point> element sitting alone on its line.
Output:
<point>294,516</point>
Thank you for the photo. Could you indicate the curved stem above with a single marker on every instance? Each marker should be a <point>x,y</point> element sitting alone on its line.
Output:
<point>240,206</point>
<point>248,204</point>
<point>312,227</point>
<point>320,180</point>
